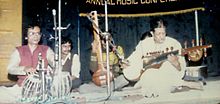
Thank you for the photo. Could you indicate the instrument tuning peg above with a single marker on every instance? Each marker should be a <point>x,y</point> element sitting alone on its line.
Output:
<point>147,53</point>
<point>185,44</point>
<point>171,48</point>
<point>151,53</point>
<point>205,53</point>
<point>201,41</point>
<point>189,58</point>
<point>167,49</point>
<point>193,42</point>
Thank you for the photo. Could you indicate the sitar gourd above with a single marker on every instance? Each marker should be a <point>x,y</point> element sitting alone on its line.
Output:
<point>196,55</point>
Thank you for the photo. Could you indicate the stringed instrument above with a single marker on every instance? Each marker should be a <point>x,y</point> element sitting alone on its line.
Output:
<point>100,75</point>
<point>157,61</point>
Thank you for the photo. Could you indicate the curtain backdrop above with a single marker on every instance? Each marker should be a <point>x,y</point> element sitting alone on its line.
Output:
<point>125,31</point>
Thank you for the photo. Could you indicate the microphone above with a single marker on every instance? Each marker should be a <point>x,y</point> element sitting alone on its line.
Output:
<point>54,19</point>
<point>54,12</point>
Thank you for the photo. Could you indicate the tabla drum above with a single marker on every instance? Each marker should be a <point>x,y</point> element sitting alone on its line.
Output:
<point>61,84</point>
<point>31,86</point>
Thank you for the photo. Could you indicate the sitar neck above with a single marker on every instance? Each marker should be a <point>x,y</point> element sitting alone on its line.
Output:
<point>97,40</point>
<point>163,56</point>
<point>186,50</point>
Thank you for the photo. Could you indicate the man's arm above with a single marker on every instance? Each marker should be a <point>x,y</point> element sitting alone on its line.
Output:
<point>13,66</point>
<point>178,61</point>
<point>75,68</point>
<point>50,57</point>
<point>133,70</point>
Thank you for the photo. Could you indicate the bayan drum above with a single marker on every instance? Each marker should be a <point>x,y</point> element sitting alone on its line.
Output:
<point>31,86</point>
<point>61,84</point>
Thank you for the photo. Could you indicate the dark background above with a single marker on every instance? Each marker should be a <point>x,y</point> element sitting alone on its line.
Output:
<point>125,31</point>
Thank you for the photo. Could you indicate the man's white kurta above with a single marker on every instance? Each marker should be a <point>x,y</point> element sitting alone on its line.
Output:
<point>155,80</point>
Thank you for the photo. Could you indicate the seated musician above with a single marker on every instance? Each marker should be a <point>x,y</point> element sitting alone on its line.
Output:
<point>70,62</point>
<point>116,58</point>
<point>156,76</point>
<point>24,59</point>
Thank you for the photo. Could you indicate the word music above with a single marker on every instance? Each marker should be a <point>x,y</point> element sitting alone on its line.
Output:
<point>127,2</point>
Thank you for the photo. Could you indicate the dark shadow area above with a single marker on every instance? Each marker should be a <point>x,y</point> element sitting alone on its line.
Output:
<point>12,77</point>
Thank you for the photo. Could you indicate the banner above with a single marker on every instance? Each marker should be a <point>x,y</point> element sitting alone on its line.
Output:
<point>136,8</point>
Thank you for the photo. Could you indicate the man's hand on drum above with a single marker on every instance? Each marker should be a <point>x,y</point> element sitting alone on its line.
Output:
<point>29,70</point>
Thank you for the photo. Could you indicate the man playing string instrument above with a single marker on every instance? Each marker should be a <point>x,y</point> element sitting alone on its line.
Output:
<point>116,56</point>
<point>70,62</point>
<point>156,76</point>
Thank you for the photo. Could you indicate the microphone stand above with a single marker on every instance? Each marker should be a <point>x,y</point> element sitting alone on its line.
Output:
<point>106,36</point>
<point>107,51</point>
<point>56,48</point>
<point>58,63</point>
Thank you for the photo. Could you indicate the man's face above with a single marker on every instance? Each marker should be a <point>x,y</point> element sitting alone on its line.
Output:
<point>66,48</point>
<point>34,35</point>
<point>159,35</point>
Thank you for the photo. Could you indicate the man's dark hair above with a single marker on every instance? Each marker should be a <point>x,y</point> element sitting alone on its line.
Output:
<point>25,30</point>
<point>66,40</point>
<point>157,23</point>
<point>145,35</point>
<point>154,23</point>
<point>32,25</point>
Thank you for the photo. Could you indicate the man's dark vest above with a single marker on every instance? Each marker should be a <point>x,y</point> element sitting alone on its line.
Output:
<point>68,64</point>
<point>29,59</point>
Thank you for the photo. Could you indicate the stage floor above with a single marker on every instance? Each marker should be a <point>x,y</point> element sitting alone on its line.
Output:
<point>90,94</point>
<point>209,95</point>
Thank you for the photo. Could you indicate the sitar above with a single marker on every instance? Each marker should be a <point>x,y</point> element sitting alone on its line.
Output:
<point>156,62</point>
<point>99,77</point>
